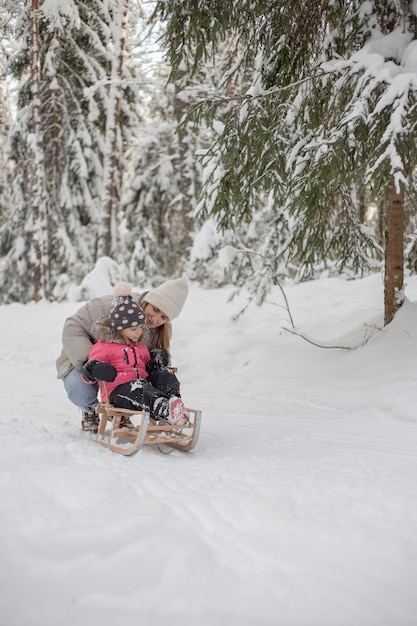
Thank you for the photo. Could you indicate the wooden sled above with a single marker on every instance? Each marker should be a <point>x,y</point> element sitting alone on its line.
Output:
<point>146,431</point>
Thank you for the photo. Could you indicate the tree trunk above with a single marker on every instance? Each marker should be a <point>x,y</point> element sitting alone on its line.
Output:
<point>37,172</point>
<point>361,198</point>
<point>107,243</point>
<point>180,220</point>
<point>394,251</point>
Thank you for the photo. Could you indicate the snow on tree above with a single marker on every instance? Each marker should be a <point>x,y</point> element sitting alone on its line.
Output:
<point>165,180</point>
<point>40,257</point>
<point>121,178</point>
<point>76,55</point>
<point>112,173</point>
<point>67,140</point>
<point>330,106</point>
<point>5,121</point>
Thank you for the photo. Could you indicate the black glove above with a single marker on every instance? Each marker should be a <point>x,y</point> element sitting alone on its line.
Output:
<point>159,359</point>
<point>99,370</point>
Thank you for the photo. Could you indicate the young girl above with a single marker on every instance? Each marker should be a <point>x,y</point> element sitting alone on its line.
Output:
<point>120,358</point>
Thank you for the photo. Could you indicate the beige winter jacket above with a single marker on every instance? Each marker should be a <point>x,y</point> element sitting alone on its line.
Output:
<point>76,334</point>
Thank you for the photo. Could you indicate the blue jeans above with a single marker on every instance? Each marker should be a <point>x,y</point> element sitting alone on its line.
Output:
<point>79,392</point>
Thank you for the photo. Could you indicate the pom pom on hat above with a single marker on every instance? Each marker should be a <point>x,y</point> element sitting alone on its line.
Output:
<point>124,312</point>
<point>122,289</point>
<point>169,297</point>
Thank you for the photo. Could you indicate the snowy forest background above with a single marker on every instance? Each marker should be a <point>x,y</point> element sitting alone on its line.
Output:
<point>150,136</point>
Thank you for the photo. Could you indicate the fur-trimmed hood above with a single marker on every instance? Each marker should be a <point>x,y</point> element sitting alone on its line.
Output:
<point>103,331</point>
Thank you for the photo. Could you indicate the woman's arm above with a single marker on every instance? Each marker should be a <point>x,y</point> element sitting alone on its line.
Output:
<point>76,335</point>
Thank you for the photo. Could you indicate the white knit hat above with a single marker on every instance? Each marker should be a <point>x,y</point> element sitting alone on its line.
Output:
<point>169,297</point>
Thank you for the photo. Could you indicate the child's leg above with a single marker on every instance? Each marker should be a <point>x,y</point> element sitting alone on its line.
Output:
<point>166,381</point>
<point>140,395</point>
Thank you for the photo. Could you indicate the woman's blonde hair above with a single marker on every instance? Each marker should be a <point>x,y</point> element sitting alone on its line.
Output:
<point>161,333</point>
<point>162,337</point>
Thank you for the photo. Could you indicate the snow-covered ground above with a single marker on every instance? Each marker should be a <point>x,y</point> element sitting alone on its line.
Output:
<point>298,507</point>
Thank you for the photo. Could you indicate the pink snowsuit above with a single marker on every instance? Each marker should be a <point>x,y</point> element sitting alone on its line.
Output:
<point>129,361</point>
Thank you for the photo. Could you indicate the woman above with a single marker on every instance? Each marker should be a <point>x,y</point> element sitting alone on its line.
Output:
<point>160,305</point>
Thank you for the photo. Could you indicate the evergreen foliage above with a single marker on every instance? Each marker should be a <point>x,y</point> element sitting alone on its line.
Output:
<point>165,179</point>
<point>5,171</point>
<point>73,59</point>
<point>331,105</point>
<point>121,178</point>
<point>291,109</point>
<point>76,59</point>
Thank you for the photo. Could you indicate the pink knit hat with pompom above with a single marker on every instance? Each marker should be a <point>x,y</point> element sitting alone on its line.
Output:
<point>124,312</point>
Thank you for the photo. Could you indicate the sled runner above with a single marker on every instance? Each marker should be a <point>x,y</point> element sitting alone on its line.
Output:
<point>145,430</point>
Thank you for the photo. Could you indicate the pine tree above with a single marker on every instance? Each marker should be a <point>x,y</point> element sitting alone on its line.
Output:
<point>107,243</point>
<point>5,122</point>
<point>76,57</point>
<point>166,179</point>
<point>39,204</point>
<point>331,106</point>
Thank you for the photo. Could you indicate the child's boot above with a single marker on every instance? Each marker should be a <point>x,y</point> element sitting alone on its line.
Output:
<point>177,412</point>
